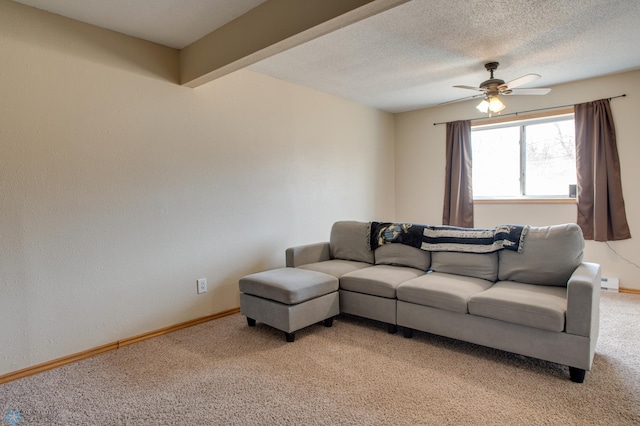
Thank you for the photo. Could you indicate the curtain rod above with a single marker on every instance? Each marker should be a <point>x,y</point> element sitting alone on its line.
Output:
<point>531,110</point>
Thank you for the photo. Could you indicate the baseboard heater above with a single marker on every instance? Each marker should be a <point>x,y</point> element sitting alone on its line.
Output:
<point>610,284</point>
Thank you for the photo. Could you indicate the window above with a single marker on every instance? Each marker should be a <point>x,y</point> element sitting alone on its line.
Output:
<point>533,158</point>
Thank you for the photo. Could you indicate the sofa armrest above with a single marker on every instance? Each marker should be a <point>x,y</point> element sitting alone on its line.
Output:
<point>310,253</point>
<point>583,301</point>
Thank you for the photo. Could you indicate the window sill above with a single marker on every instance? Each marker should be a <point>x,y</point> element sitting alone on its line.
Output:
<point>525,201</point>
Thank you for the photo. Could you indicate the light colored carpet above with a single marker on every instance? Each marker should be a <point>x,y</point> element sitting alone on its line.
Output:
<point>224,372</point>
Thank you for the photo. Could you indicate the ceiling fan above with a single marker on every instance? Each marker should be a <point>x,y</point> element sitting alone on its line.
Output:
<point>494,87</point>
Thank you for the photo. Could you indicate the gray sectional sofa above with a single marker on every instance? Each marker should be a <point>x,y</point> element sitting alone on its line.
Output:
<point>542,302</point>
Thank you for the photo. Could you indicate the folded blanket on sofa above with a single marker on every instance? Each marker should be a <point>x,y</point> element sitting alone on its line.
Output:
<point>449,238</point>
<point>471,240</point>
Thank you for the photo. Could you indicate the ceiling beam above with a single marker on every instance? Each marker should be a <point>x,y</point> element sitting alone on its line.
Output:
<point>271,28</point>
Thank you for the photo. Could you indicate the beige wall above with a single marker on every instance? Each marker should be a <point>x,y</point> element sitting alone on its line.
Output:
<point>119,188</point>
<point>420,156</point>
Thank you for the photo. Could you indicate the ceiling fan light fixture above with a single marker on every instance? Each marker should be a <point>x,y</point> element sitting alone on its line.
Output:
<point>495,104</point>
<point>491,104</point>
<point>483,106</point>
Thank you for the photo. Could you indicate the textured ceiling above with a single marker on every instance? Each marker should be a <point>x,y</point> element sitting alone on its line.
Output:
<point>408,57</point>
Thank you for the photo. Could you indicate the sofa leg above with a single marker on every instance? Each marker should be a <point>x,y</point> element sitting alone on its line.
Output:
<point>251,322</point>
<point>392,328</point>
<point>407,332</point>
<point>577,374</point>
<point>328,322</point>
<point>290,337</point>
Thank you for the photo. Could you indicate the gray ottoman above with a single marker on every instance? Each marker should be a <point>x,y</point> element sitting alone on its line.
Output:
<point>289,299</point>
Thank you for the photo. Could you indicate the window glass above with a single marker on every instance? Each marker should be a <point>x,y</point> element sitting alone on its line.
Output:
<point>533,158</point>
<point>496,162</point>
<point>551,159</point>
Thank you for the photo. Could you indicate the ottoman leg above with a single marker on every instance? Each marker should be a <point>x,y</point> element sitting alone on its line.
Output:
<point>392,328</point>
<point>290,337</point>
<point>328,322</point>
<point>251,322</point>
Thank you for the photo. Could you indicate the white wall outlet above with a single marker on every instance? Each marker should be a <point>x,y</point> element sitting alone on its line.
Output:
<point>202,285</point>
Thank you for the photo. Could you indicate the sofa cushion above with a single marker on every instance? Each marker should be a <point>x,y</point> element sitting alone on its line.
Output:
<point>550,255</point>
<point>441,290</point>
<point>477,265</point>
<point>349,240</point>
<point>402,255</point>
<point>379,280</point>
<point>335,267</point>
<point>531,305</point>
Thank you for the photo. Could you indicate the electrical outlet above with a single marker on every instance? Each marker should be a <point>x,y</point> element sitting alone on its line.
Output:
<point>202,285</point>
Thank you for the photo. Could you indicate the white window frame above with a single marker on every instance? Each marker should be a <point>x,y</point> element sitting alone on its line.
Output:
<point>521,122</point>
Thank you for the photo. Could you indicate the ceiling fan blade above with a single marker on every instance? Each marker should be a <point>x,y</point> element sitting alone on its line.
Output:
<point>520,81</point>
<point>540,91</point>
<point>462,99</point>
<point>470,88</point>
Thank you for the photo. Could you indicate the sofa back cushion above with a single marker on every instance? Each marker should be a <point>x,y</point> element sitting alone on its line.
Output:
<point>478,265</point>
<point>349,240</point>
<point>550,255</point>
<point>402,255</point>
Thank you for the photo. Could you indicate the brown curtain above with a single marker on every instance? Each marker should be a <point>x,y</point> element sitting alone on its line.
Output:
<point>458,191</point>
<point>601,213</point>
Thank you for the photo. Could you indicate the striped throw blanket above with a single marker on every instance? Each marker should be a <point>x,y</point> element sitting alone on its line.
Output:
<point>449,238</point>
